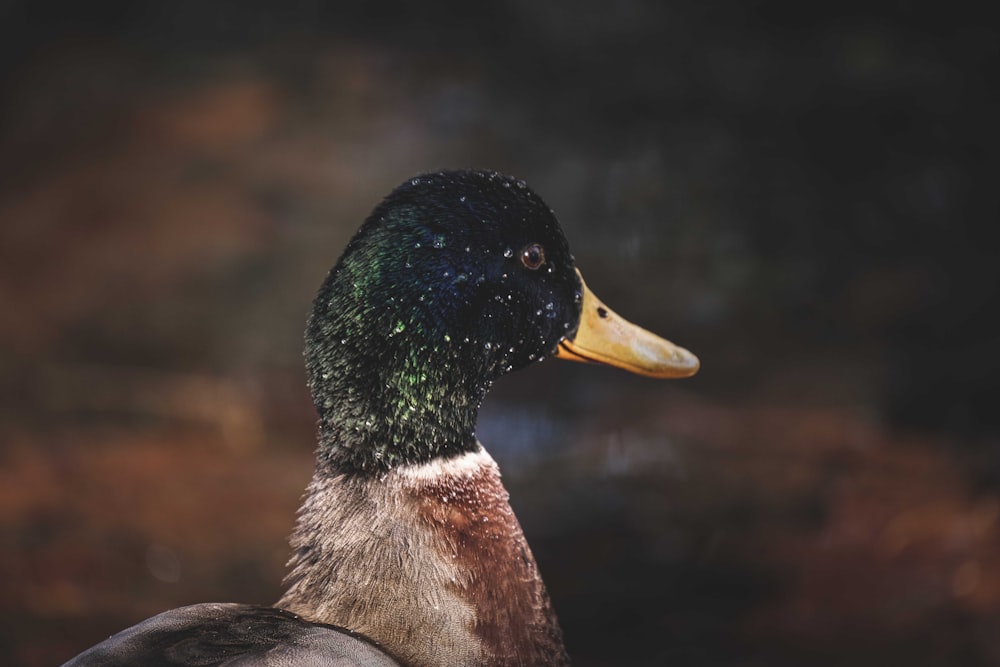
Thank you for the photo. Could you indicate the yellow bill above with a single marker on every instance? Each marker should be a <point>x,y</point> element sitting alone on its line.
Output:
<point>604,337</point>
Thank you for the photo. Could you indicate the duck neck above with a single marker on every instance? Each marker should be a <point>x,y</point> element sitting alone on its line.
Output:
<point>411,405</point>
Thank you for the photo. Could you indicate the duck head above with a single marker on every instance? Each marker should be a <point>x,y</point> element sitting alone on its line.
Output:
<point>453,280</point>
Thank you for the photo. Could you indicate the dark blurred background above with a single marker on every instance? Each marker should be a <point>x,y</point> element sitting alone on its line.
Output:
<point>802,194</point>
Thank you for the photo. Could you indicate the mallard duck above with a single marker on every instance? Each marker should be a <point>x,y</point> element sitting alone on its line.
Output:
<point>406,550</point>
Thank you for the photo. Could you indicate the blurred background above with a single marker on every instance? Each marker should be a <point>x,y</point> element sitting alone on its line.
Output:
<point>802,195</point>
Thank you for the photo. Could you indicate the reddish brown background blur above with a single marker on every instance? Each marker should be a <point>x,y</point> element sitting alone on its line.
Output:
<point>803,197</point>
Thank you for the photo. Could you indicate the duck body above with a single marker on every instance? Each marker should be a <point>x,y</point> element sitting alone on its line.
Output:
<point>406,540</point>
<point>445,573</point>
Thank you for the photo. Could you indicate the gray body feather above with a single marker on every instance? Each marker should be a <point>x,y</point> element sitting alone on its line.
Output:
<point>234,635</point>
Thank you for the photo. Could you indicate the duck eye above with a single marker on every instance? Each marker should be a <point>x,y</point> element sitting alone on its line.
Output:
<point>533,256</point>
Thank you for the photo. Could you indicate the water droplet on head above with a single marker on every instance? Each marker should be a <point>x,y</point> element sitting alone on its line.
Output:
<point>508,253</point>
<point>417,244</point>
<point>488,345</point>
<point>549,306</point>
<point>439,242</point>
<point>415,181</point>
<point>462,198</point>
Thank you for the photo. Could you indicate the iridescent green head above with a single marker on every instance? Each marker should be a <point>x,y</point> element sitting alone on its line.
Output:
<point>453,280</point>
